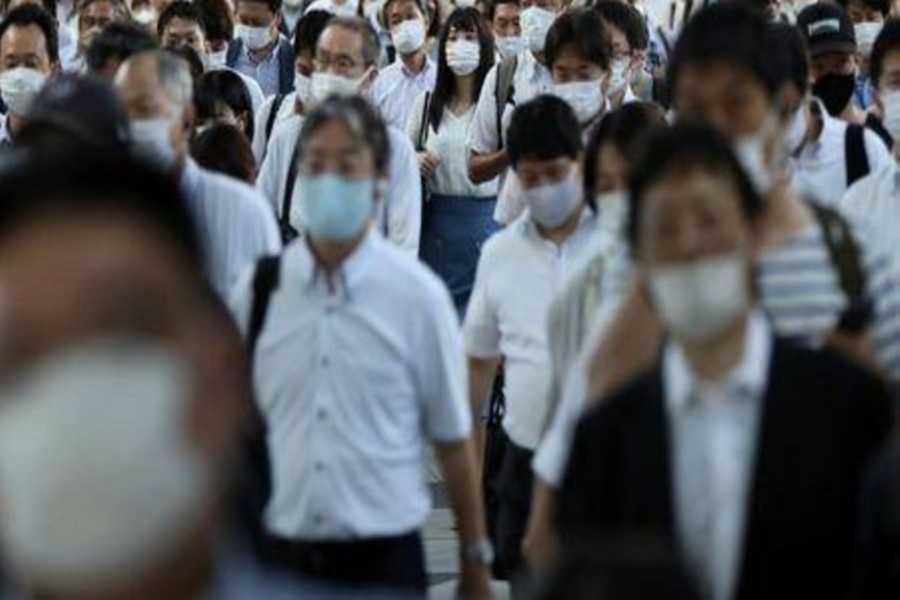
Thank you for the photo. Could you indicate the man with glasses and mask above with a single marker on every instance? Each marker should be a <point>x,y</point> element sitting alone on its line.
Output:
<point>345,65</point>
<point>235,223</point>
<point>352,384</point>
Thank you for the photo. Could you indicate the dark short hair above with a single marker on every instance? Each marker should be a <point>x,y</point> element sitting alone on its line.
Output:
<point>27,15</point>
<point>193,60</point>
<point>461,19</point>
<point>789,54</point>
<point>274,5</point>
<point>309,29</point>
<point>626,19</point>
<point>887,41</point>
<point>583,30</point>
<point>882,6</point>
<point>217,22</point>
<point>118,41</point>
<point>180,9</point>
<point>493,4</point>
<point>727,32</point>
<point>371,47</point>
<point>48,5</point>
<point>623,129</point>
<point>359,117</point>
<point>225,149</point>
<point>545,128</point>
<point>684,146</point>
<point>86,181</point>
<point>423,8</point>
<point>224,86</point>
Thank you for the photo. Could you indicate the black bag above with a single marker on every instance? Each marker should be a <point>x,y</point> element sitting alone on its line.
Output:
<point>495,444</point>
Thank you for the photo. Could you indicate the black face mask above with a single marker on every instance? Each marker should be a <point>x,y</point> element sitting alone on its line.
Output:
<point>835,91</point>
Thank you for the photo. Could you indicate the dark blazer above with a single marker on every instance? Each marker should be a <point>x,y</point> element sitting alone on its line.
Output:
<point>286,66</point>
<point>822,421</point>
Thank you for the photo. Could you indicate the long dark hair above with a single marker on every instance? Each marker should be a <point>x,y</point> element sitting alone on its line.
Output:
<point>462,19</point>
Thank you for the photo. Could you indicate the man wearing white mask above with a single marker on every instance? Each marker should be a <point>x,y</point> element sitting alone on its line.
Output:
<point>181,25</point>
<point>627,32</point>
<point>577,53</point>
<point>521,269</point>
<point>412,72</point>
<point>345,66</point>
<point>258,50</point>
<point>505,17</point>
<point>235,223</point>
<point>281,107</point>
<point>28,56</point>
<point>516,80</point>
<point>874,199</point>
<point>868,17</point>
<point>92,17</point>
<point>347,444</point>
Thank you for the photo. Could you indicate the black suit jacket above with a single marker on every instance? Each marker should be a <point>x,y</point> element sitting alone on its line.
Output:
<point>822,421</point>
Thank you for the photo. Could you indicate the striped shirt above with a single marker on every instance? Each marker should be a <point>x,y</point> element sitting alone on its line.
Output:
<point>801,292</point>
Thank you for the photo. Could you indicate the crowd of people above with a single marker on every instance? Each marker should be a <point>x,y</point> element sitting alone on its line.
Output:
<point>618,281</point>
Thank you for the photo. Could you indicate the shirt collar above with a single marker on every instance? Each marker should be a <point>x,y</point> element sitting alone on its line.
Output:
<point>267,58</point>
<point>351,271</point>
<point>587,219</point>
<point>748,378</point>
<point>429,65</point>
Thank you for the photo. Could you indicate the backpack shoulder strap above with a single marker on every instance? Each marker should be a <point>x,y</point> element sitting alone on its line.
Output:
<point>287,200</point>
<point>273,114</point>
<point>265,281</point>
<point>423,126</point>
<point>855,150</point>
<point>843,251</point>
<point>504,90</point>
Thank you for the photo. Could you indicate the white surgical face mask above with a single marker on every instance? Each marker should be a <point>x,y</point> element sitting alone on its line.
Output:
<point>255,38</point>
<point>795,134</point>
<point>408,36</point>
<point>613,210</point>
<point>151,142</point>
<point>97,475</point>
<point>19,87</point>
<point>145,16</point>
<point>510,46</point>
<point>891,119</point>
<point>618,78</point>
<point>550,205</point>
<point>751,153</point>
<point>463,57</point>
<point>303,87</point>
<point>536,22</point>
<point>585,97</point>
<point>217,60</point>
<point>698,300</point>
<point>866,33</point>
<point>326,84</point>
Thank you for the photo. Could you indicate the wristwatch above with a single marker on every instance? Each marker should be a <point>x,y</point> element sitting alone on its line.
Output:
<point>479,553</point>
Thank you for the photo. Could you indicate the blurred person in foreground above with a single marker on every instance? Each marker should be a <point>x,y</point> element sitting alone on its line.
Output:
<point>753,450</point>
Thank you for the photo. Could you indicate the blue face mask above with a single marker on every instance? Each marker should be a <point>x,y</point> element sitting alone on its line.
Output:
<point>333,208</point>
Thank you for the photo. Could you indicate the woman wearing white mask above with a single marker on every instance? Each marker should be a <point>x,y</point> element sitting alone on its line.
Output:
<point>458,215</point>
<point>628,35</point>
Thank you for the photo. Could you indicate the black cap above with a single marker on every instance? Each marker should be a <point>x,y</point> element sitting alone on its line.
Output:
<point>84,108</point>
<point>826,27</point>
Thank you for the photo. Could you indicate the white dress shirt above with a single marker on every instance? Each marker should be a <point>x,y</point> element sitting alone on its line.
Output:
<point>285,111</point>
<point>400,216</point>
<point>530,80</point>
<point>714,430</point>
<point>451,177</point>
<point>875,202</point>
<point>396,89</point>
<point>352,383</point>
<point>234,222</point>
<point>820,172</point>
<point>518,276</point>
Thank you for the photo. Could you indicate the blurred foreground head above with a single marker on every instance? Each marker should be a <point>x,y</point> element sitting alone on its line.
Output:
<point>121,390</point>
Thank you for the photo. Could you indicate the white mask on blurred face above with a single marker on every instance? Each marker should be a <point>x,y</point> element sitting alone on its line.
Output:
<point>585,97</point>
<point>510,46</point>
<point>151,143</point>
<point>463,57</point>
<point>536,22</point>
<point>408,36</point>
<point>255,38</point>
<point>19,87</point>
<point>866,34</point>
<point>98,479</point>
<point>890,101</point>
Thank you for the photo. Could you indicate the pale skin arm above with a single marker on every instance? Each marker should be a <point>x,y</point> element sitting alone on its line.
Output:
<point>484,167</point>
<point>457,464</point>
<point>482,372</point>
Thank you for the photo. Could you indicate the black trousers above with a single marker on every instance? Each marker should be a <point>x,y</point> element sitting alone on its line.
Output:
<point>392,563</point>
<point>515,491</point>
